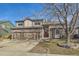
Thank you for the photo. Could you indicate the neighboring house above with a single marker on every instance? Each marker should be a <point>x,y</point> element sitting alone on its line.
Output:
<point>5,28</point>
<point>37,29</point>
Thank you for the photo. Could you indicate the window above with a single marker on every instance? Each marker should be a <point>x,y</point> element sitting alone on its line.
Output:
<point>2,26</point>
<point>20,24</point>
<point>37,23</point>
<point>57,31</point>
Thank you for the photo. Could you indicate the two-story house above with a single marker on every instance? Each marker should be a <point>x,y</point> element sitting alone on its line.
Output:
<point>37,29</point>
<point>27,29</point>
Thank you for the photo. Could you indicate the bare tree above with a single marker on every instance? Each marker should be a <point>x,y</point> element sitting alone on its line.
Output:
<point>67,14</point>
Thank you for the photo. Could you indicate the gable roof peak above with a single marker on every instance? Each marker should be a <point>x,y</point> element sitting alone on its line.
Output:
<point>26,18</point>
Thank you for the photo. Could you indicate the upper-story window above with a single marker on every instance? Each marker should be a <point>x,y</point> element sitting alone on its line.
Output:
<point>37,23</point>
<point>20,24</point>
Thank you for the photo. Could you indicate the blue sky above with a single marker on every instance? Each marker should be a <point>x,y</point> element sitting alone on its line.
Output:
<point>13,12</point>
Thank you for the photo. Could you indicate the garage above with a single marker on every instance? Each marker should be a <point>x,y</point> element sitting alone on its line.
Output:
<point>26,34</point>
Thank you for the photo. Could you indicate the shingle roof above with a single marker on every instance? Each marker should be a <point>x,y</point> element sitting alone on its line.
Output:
<point>27,18</point>
<point>6,30</point>
<point>31,27</point>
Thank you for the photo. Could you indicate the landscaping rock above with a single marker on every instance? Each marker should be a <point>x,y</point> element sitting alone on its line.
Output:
<point>72,45</point>
<point>63,45</point>
<point>75,46</point>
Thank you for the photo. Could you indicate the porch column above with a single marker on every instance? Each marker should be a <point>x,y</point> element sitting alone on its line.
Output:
<point>12,36</point>
<point>37,36</point>
<point>55,34</point>
<point>42,33</point>
<point>49,33</point>
<point>34,35</point>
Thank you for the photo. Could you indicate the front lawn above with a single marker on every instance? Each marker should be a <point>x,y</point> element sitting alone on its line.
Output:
<point>51,47</point>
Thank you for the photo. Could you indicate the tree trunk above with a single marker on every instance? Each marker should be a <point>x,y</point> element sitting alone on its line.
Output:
<point>68,39</point>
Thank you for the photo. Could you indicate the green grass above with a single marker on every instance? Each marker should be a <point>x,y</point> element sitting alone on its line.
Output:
<point>53,48</point>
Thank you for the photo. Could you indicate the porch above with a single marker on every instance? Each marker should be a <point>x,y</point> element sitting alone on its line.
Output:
<point>51,31</point>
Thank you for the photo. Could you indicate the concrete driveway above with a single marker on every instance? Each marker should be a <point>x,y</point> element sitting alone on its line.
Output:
<point>16,47</point>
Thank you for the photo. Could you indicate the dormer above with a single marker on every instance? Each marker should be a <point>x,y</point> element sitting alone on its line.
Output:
<point>27,22</point>
<point>37,22</point>
<point>19,23</point>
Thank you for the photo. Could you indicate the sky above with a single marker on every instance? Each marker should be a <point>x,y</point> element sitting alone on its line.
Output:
<point>17,11</point>
<point>13,12</point>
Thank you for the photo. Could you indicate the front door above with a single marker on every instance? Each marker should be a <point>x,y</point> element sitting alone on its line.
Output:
<point>46,32</point>
<point>55,33</point>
